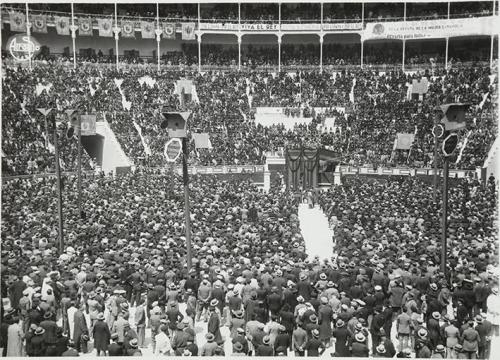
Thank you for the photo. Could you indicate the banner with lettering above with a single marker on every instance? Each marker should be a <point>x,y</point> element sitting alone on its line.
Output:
<point>188,31</point>
<point>62,25</point>
<point>343,26</point>
<point>430,28</point>
<point>17,21</point>
<point>147,30</point>
<point>128,29</point>
<point>85,26</point>
<point>40,24</point>
<point>105,27</point>
<point>169,31</point>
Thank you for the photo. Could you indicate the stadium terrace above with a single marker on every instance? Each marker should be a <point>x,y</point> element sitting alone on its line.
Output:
<point>250,179</point>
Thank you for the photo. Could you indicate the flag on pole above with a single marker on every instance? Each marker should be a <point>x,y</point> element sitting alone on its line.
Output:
<point>118,83</point>
<point>39,88</point>
<point>85,26</point>
<point>62,25</point>
<point>128,29</point>
<point>351,94</point>
<point>147,30</point>
<point>188,31</point>
<point>403,141</point>
<point>485,96</point>
<point>17,21</point>
<point>88,124</point>
<point>202,141</point>
<point>40,24</point>
<point>105,27</point>
<point>169,30</point>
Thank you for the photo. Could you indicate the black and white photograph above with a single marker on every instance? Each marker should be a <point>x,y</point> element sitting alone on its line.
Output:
<point>250,178</point>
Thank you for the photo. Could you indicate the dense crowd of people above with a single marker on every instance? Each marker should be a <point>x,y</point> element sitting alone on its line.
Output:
<point>123,270</point>
<point>224,108</point>
<point>296,12</point>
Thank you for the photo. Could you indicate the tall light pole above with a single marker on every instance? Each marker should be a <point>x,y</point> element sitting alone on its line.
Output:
<point>176,123</point>
<point>59,189</point>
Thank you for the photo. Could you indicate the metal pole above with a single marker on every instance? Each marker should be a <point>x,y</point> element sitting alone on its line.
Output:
<point>28,33</point>
<point>447,42</point>
<point>362,51</point>
<point>79,166</point>
<point>116,37</point>
<point>199,52</point>
<point>363,26</point>
<point>279,52</point>
<point>185,177</point>
<point>321,53</point>
<point>404,41</point>
<point>239,52</point>
<point>404,50</point>
<point>321,16</point>
<point>435,164</point>
<point>199,16</point>
<point>73,34</point>
<point>279,15</point>
<point>59,190</point>
<point>158,36</point>
<point>444,217</point>
<point>446,54</point>
<point>492,38</point>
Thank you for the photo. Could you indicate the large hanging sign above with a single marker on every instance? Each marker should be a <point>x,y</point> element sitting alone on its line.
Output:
<point>23,47</point>
<point>426,29</point>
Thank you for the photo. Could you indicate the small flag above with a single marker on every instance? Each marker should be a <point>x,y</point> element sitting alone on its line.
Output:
<point>62,25</point>
<point>17,21</point>
<point>147,30</point>
<point>420,87</point>
<point>169,30</point>
<point>485,96</point>
<point>92,90</point>
<point>118,83</point>
<point>202,141</point>
<point>85,26</point>
<point>105,27</point>
<point>40,88</point>
<point>40,24</point>
<point>88,124</point>
<point>188,31</point>
<point>403,141</point>
<point>128,29</point>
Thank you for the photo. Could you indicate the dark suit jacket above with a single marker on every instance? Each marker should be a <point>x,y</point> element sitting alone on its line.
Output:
<point>115,350</point>
<point>264,350</point>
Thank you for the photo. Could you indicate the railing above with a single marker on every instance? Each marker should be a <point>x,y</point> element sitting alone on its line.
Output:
<point>326,18</point>
<point>264,68</point>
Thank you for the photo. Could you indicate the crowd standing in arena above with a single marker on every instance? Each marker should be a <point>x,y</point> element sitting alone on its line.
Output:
<point>123,270</point>
<point>121,286</point>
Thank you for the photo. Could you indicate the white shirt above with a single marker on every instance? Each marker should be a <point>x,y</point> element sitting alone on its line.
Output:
<point>493,304</point>
<point>71,319</point>
<point>162,344</point>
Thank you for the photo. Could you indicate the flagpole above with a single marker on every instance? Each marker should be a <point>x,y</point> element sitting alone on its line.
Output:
<point>158,35</point>
<point>116,36</point>
<point>73,34</point>
<point>492,39</point>
<point>28,33</point>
